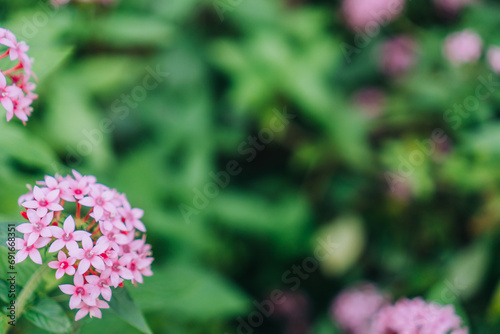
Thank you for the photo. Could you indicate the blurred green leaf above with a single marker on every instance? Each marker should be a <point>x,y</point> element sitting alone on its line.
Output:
<point>124,306</point>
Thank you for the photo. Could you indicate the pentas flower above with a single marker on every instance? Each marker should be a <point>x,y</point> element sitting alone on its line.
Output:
<point>36,227</point>
<point>92,311</point>
<point>44,200</point>
<point>24,249</point>
<point>102,243</point>
<point>64,265</point>
<point>417,316</point>
<point>16,91</point>
<point>80,291</point>
<point>89,254</point>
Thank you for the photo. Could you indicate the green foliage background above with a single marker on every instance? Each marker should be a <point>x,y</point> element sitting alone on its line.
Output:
<point>324,175</point>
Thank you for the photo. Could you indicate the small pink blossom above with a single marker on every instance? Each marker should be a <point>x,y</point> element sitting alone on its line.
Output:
<point>101,284</point>
<point>64,265</point>
<point>100,200</point>
<point>463,47</point>
<point>80,292</point>
<point>44,200</point>
<point>66,236</point>
<point>131,217</point>
<point>93,311</point>
<point>23,249</point>
<point>36,227</point>
<point>89,254</point>
<point>7,94</point>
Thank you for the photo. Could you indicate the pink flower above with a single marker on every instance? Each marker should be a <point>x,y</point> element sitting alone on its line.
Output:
<point>371,100</point>
<point>7,93</point>
<point>131,217</point>
<point>101,284</point>
<point>6,36</point>
<point>452,6</point>
<point>12,96</point>
<point>117,272</point>
<point>463,47</point>
<point>354,308</point>
<point>23,249</point>
<point>89,254</point>
<point>64,265</point>
<point>66,236</point>
<point>494,58</point>
<point>138,266</point>
<point>36,227</point>
<point>100,199</point>
<point>417,316</point>
<point>94,311</point>
<point>398,55</point>
<point>44,200</point>
<point>80,292</point>
<point>367,14</point>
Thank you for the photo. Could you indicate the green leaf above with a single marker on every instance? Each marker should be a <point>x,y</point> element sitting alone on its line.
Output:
<point>124,306</point>
<point>49,316</point>
<point>190,292</point>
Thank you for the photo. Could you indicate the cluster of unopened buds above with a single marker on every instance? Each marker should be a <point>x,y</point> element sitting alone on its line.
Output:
<point>16,89</point>
<point>102,245</point>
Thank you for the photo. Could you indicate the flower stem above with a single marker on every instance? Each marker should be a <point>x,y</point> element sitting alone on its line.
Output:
<point>26,293</point>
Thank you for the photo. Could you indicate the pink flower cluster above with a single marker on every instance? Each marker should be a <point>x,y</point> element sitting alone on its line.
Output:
<point>16,91</point>
<point>365,310</point>
<point>100,249</point>
<point>417,316</point>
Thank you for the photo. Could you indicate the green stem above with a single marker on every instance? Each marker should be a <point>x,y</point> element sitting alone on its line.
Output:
<point>28,290</point>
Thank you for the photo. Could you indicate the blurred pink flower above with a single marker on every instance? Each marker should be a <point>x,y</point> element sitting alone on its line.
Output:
<point>370,100</point>
<point>353,309</point>
<point>359,13</point>
<point>494,58</point>
<point>463,47</point>
<point>417,316</point>
<point>452,6</point>
<point>398,55</point>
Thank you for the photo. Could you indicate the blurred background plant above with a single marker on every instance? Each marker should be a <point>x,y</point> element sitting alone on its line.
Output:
<point>275,146</point>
